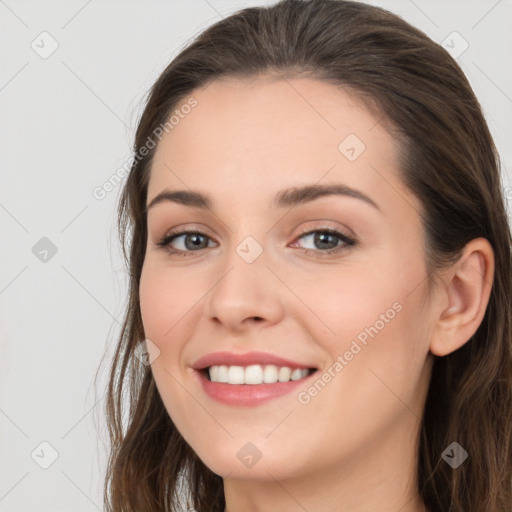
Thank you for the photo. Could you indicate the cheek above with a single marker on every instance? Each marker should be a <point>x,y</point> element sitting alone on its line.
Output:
<point>165,299</point>
<point>342,303</point>
<point>371,316</point>
<point>166,302</point>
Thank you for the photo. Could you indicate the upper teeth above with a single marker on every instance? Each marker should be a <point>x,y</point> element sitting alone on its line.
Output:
<point>255,374</point>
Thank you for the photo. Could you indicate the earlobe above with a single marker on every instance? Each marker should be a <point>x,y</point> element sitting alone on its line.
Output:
<point>465,296</point>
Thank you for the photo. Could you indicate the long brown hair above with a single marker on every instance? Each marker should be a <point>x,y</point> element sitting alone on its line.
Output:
<point>449,161</point>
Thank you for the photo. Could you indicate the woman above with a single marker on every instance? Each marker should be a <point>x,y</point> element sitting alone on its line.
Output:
<point>370,373</point>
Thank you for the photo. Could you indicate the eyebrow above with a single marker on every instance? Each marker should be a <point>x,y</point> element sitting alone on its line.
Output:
<point>284,198</point>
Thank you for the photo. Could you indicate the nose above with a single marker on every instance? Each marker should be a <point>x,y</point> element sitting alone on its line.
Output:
<point>247,294</point>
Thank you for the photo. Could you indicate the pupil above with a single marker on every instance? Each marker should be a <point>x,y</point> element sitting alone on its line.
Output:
<point>195,243</point>
<point>320,238</point>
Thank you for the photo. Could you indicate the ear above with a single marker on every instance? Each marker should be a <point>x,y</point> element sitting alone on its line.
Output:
<point>464,297</point>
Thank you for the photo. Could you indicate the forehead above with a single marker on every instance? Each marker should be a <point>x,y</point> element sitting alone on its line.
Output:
<point>250,134</point>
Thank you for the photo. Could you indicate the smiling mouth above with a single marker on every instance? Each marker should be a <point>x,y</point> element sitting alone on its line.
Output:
<point>254,374</point>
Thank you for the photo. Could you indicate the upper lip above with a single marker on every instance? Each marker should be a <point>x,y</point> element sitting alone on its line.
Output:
<point>245,359</point>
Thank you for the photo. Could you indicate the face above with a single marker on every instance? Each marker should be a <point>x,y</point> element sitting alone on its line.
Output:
<point>326,281</point>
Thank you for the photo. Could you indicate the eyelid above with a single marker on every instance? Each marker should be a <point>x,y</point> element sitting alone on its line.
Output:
<point>185,229</point>
<point>327,226</point>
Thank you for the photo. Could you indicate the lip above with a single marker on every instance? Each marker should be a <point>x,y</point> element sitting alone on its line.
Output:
<point>247,395</point>
<point>246,359</point>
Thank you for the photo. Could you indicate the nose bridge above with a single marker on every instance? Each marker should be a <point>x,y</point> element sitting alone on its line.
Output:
<point>249,250</point>
<point>244,270</point>
<point>246,241</point>
<point>244,290</point>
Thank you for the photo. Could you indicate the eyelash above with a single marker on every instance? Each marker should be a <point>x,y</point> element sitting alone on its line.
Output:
<point>347,240</point>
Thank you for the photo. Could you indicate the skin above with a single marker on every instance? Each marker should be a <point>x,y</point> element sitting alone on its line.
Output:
<point>354,443</point>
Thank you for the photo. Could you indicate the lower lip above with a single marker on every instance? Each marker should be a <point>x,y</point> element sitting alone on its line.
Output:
<point>247,394</point>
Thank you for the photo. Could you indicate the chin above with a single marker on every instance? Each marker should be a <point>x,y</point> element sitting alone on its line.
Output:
<point>246,462</point>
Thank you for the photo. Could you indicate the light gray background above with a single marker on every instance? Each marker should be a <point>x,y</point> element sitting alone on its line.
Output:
<point>67,124</point>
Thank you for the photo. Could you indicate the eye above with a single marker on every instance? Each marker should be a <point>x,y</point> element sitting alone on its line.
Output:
<point>328,241</point>
<point>191,240</point>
